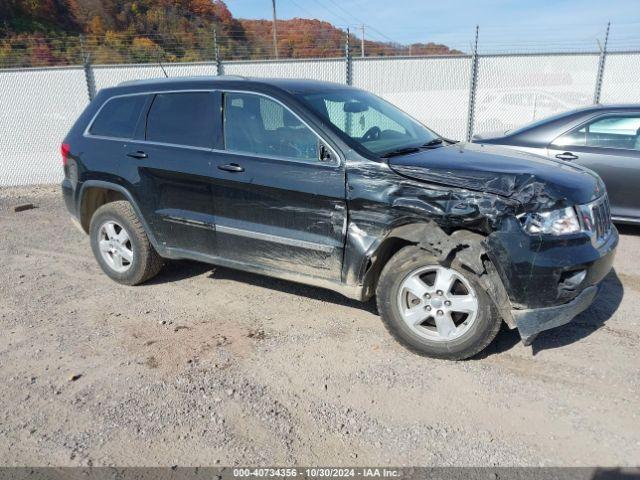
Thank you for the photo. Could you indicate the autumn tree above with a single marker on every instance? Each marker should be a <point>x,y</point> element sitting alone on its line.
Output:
<point>46,32</point>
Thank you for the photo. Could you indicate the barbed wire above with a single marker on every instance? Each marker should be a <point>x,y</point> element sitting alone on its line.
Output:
<point>294,42</point>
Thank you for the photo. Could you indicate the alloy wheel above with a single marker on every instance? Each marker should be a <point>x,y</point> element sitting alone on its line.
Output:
<point>437,303</point>
<point>115,246</point>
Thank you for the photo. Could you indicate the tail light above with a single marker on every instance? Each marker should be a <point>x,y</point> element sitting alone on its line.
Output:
<point>64,150</point>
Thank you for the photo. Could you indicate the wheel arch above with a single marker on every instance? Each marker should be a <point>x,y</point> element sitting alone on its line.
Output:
<point>462,248</point>
<point>95,193</point>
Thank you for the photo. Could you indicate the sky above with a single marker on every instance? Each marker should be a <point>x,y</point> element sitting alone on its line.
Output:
<point>562,25</point>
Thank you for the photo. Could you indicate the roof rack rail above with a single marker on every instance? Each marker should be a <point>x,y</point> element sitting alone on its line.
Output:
<point>180,79</point>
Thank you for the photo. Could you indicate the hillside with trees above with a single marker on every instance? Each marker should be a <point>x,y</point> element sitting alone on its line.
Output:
<point>61,32</point>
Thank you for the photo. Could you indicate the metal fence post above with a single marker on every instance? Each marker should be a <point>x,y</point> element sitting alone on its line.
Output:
<point>348,60</point>
<point>348,79</point>
<point>472,88</point>
<point>88,71</point>
<point>601,62</point>
<point>216,51</point>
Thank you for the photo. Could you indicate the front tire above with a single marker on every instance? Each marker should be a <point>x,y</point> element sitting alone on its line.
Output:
<point>121,246</point>
<point>433,309</point>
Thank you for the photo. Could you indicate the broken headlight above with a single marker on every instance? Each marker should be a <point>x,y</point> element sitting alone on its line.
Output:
<point>554,222</point>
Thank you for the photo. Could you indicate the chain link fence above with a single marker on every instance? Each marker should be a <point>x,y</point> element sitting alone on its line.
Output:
<point>330,70</point>
<point>434,90</point>
<point>517,89</point>
<point>39,105</point>
<point>37,108</point>
<point>110,75</point>
<point>620,79</point>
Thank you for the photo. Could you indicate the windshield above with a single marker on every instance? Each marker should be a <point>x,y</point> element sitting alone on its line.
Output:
<point>373,123</point>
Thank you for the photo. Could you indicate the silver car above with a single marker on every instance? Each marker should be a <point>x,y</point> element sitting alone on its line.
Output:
<point>604,138</point>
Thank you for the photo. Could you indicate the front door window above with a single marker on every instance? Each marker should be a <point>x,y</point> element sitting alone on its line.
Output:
<point>261,126</point>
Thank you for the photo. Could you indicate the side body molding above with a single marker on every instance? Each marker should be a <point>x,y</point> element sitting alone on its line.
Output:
<point>350,291</point>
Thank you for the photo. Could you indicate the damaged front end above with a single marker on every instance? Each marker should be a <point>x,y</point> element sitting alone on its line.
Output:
<point>550,279</point>
<point>467,205</point>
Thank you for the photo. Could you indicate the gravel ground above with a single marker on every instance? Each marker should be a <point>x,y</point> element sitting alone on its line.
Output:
<point>206,366</point>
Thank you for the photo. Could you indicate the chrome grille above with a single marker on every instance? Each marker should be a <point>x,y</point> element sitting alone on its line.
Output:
<point>596,219</point>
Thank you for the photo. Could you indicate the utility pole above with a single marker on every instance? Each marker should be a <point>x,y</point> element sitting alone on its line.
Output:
<point>275,31</point>
<point>362,42</point>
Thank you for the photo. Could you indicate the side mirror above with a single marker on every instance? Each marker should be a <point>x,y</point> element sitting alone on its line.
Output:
<point>325,153</point>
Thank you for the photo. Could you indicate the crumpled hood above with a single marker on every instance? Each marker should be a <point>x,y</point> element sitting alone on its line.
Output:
<point>535,181</point>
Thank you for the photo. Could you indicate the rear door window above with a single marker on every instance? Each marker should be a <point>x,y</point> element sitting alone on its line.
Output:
<point>118,117</point>
<point>182,119</point>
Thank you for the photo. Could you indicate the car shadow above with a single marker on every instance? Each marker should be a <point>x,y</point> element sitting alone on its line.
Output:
<point>177,270</point>
<point>298,289</point>
<point>504,341</point>
<point>605,305</point>
<point>624,229</point>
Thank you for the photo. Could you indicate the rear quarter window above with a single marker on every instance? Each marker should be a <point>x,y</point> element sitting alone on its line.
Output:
<point>118,117</point>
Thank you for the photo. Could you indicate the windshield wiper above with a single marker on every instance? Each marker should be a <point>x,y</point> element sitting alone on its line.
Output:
<point>405,150</point>
<point>400,151</point>
<point>432,143</point>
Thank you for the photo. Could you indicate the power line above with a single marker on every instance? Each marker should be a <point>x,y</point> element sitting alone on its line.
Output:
<point>302,8</point>
<point>361,22</point>
<point>348,23</point>
<point>333,13</point>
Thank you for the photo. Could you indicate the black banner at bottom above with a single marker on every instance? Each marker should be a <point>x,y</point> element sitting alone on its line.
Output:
<point>275,473</point>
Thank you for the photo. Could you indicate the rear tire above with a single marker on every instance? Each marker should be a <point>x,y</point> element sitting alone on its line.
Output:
<point>433,309</point>
<point>121,246</point>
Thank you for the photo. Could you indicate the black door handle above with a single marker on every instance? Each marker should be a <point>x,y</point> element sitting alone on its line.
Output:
<point>231,167</point>
<point>566,156</point>
<point>139,154</point>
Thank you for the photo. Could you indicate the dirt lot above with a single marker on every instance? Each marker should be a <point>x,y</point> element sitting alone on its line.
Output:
<point>207,366</point>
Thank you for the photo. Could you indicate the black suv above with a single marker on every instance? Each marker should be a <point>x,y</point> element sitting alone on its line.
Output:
<point>332,186</point>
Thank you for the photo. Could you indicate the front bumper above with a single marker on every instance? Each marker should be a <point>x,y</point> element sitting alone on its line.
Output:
<point>531,322</point>
<point>535,273</point>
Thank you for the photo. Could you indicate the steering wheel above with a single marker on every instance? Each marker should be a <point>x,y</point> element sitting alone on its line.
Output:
<point>285,147</point>
<point>372,134</point>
